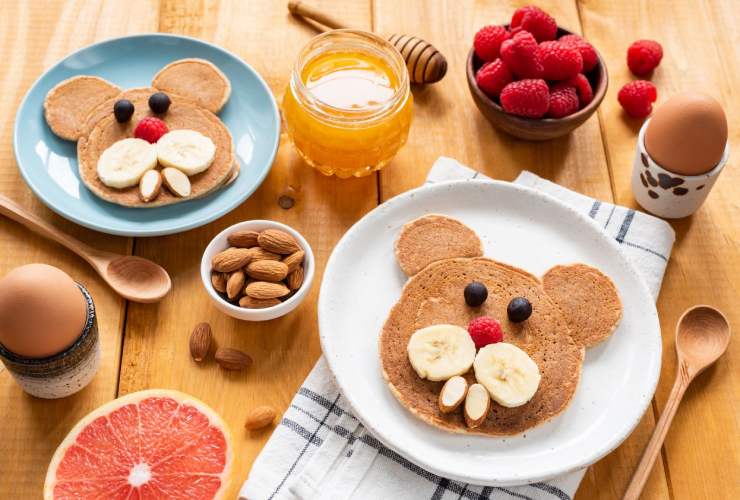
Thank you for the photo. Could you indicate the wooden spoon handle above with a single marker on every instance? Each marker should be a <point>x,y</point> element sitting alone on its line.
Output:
<point>656,441</point>
<point>298,8</point>
<point>12,210</point>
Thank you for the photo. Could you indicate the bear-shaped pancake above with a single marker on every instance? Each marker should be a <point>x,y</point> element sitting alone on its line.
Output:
<point>573,307</point>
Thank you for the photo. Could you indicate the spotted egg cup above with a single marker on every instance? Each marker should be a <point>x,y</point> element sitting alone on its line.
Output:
<point>665,193</point>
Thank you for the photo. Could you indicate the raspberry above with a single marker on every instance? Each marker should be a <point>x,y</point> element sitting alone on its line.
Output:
<point>563,101</point>
<point>583,88</point>
<point>588,53</point>
<point>519,53</point>
<point>536,21</point>
<point>643,56</point>
<point>528,98</point>
<point>637,98</point>
<point>559,61</point>
<point>150,129</point>
<point>493,77</point>
<point>484,331</point>
<point>488,41</point>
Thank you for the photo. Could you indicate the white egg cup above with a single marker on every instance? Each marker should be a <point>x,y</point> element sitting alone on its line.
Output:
<point>220,243</point>
<point>665,193</point>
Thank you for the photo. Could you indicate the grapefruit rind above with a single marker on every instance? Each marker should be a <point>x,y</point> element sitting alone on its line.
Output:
<point>134,398</point>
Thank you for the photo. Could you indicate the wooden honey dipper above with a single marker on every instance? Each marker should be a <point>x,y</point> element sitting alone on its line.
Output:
<point>425,63</point>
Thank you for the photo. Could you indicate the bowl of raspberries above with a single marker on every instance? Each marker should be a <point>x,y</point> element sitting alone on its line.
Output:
<point>534,79</point>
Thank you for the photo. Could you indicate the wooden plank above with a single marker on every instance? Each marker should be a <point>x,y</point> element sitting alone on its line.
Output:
<point>284,350</point>
<point>31,40</point>
<point>448,123</point>
<point>699,39</point>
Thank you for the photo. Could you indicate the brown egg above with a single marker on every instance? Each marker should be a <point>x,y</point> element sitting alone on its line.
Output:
<point>687,134</point>
<point>42,311</point>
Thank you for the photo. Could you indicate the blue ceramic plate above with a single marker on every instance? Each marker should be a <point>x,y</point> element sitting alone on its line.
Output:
<point>48,164</point>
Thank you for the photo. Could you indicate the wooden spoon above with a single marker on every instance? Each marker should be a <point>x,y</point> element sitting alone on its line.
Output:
<point>702,336</point>
<point>134,278</point>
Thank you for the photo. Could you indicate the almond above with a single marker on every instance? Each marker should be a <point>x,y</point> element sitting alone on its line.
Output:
<point>218,280</point>
<point>243,239</point>
<point>265,290</point>
<point>267,270</point>
<point>235,284</point>
<point>477,405</point>
<point>232,359</point>
<point>294,260</point>
<point>452,394</point>
<point>177,182</point>
<point>260,417</point>
<point>277,241</point>
<point>231,259</point>
<point>252,303</point>
<point>295,279</point>
<point>200,341</point>
<point>262,254</point>
<point>150,185</point>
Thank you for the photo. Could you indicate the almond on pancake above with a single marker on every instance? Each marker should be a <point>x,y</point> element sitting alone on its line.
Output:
<point>101,130</point>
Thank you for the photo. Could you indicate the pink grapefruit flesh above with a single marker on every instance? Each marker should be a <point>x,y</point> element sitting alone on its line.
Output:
<point>152,444</point>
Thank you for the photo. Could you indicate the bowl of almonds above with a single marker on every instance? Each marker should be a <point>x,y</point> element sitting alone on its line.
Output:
<point>257,270</point>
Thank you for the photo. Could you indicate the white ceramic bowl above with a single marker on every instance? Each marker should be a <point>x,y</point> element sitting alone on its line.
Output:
<point>220,243</point>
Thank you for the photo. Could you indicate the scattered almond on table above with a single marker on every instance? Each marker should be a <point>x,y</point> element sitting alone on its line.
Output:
<point>260,417</point>
<point>259,269</point>
<point>232,359</point>
<point>200,341</point>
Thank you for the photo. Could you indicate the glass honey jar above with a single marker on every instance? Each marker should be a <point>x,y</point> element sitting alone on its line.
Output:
<point>348,106</point>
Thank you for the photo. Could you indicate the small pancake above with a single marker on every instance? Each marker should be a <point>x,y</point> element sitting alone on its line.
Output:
<point>588,300</point>
<point>102,130</point>
<point>196,79</point>
<point>68,103</point>
<point>435,295</point>
<point>432,238</point>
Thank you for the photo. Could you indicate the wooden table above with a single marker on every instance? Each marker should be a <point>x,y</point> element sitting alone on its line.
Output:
<point>145,346</point>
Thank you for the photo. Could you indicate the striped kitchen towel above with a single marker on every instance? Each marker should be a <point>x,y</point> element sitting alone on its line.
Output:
<point>321,451</point>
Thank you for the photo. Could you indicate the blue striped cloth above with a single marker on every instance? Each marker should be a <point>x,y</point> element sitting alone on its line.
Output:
<point>321,451</point>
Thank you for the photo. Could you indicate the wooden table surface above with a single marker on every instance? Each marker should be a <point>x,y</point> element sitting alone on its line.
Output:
<point>146,346</point>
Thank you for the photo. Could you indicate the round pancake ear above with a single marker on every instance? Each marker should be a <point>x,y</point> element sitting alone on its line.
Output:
<point>197,80</point>
<point>588,300</point>
<point>432,238</point>
<point>67,105</point>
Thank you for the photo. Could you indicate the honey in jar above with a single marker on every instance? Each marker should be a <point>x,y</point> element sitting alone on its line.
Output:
<point>348,106</point>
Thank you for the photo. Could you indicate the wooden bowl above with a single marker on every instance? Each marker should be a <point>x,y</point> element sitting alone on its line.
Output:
<point>540,129</point>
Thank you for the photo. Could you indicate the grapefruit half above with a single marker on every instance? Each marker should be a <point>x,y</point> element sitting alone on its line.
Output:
<point>153,444</point>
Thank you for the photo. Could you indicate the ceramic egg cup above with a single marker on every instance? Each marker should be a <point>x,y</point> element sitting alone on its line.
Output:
<point>665,193</point>
<point>220,243</point>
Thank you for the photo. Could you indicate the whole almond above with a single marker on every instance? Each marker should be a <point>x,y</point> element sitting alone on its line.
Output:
<point>294,260</point>
<point>218,280</point>
<point>252,303</point>
<point>267,270</point>
<point>262,254</point>
<point>265,290</point>
<point>235,284</point>
<point>260,417</point>
<point>232,359</point>
<point>295,279</point>
<point>231,259</point>
<point>200,341</point>
<point>277,241</point>
<point>243,239</point>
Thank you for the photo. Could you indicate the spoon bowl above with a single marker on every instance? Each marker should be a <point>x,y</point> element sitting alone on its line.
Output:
<point>702,336</point>
<point>136,278</point>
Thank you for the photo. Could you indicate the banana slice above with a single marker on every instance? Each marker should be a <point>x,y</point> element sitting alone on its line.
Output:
<point>186,150</point>
<point>508,373</point>
<point>124,162</point>
<point>439,352</point>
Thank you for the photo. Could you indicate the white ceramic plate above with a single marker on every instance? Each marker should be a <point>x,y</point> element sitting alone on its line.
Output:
<point>518,226</point>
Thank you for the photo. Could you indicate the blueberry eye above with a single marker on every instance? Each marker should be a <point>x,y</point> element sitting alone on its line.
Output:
<point>123,110</point>
<point>519,310</point>
<point>159,102</point>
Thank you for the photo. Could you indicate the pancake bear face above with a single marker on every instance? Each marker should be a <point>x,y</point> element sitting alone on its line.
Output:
<point>182,140</point>
<point>572,307</point>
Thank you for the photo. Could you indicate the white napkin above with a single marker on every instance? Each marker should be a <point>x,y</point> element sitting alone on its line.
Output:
<point>321,451</point>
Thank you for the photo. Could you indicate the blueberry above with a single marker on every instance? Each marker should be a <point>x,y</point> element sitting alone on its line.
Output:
<point>159,102</point>
<point>475,294</point>
<point>123,109</point>
<point>519,309</point>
